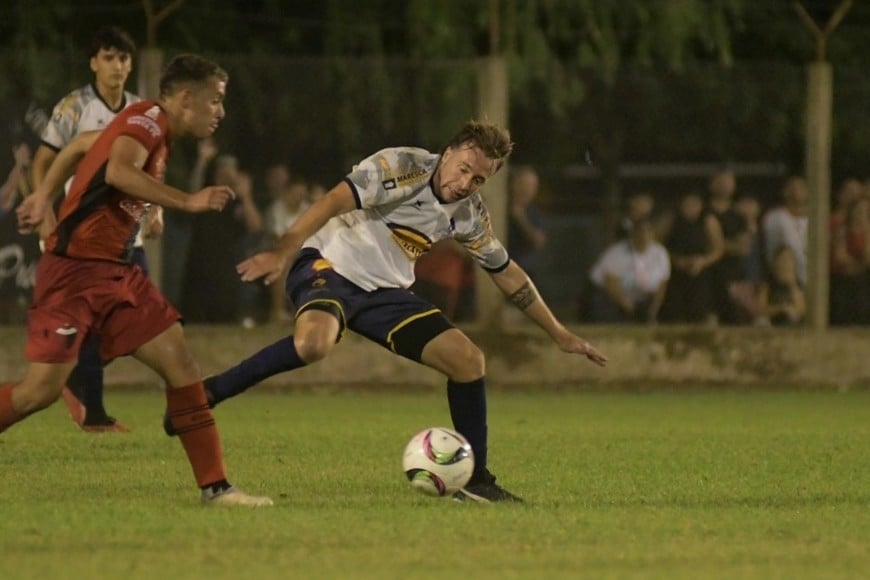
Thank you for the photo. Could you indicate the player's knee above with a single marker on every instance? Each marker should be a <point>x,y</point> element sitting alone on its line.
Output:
<point>468,364</point>
<point>312,347</point>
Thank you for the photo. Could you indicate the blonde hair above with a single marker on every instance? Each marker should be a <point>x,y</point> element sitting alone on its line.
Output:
<point>494,141</point>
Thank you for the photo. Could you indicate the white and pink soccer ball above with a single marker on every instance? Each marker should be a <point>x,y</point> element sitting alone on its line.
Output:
<point>438,461</point>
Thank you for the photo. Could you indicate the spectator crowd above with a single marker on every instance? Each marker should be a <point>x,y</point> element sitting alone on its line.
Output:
<point>716,257</point>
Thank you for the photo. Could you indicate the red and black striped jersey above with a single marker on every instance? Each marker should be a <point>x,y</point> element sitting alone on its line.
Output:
<point>97,221</point>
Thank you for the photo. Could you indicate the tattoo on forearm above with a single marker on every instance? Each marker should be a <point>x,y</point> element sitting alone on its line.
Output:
<point>524,297</point>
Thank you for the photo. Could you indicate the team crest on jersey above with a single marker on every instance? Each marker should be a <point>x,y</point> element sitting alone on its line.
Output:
<point>412,242</point>
<point>389,184</point>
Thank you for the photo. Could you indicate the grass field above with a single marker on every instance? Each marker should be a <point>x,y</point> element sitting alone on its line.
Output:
<point>665,485</point>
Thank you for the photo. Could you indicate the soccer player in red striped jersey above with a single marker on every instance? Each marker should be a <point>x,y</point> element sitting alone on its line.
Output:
<point>91,108</point>
<point>86,283</point>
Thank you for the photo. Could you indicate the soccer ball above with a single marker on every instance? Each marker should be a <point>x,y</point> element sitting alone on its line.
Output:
<point>438,461</point>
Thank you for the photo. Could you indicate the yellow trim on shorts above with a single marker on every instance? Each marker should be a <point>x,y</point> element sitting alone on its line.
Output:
<point>336,303</point>
<point>405,323</point>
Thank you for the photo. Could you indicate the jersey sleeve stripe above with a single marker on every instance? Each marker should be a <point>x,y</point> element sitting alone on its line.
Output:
<point>499,269</point>
<point>54,148</point>
<point>353,190</point>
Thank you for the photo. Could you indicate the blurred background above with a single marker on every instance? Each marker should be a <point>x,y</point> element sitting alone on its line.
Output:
<point>619,109</point>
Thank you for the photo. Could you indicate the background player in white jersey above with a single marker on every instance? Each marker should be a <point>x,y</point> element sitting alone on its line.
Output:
<point>351,257</point>
<point>91,108</point>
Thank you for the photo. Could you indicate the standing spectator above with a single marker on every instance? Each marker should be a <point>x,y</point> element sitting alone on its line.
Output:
<point>841,270</point>
<point>445,277</point>
<point>850,190</point>
<point>289,200</point>
<point>749,209</point>
<point>18,183</point>
<point>276,179</point>
<point>781,297</point>
<point>786,225</point>
<point>731,267</point>
<point>744,292</point>
<point>178,232</point>
<point>212,290</point>
<point>694,243</point>
<point>91,108</point>
<point>253,238</point>
<point>850,265</point>
<point>19,253</point>
<point>630,278</point>
<point>526,235</point>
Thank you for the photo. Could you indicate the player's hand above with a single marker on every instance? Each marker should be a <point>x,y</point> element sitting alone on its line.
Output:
<point>244,186</point>
<point>21,153</point>
<point>31,212</point>
<point>576,345</point>
<point>269,264</point>
<point>211,198</point>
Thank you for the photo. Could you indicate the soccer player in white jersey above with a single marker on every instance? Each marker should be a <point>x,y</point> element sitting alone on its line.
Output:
<point>351,260</point>
<point>91,108</point>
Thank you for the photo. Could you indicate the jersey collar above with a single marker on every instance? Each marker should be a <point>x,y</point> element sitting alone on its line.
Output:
<point>122,104</point>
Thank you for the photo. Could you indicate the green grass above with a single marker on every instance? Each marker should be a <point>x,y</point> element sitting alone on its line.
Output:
<point>665,485</point>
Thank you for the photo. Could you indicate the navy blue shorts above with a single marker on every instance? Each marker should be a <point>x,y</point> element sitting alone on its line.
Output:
<point>138,257</point>
<point>395,318</point>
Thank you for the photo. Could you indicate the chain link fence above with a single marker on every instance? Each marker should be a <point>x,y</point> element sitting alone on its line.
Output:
<point>662,133</point>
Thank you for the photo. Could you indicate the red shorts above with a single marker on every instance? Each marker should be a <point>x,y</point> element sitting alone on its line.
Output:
<point>74,298</point>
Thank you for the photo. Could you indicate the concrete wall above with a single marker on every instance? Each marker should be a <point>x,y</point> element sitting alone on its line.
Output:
<point>522,357</point>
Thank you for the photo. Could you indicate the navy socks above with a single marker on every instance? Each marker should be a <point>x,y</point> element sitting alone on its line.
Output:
<point>278,357</point>
<point>86,381</point>
<point>468,411</point>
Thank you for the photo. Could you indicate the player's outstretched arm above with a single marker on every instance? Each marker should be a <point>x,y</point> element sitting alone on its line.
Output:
<point>125,172</point>
<point>518,287</point>
<point>35,208</point>
<point>42,160</point>
<point>274,263</point>
<point>64,164</point>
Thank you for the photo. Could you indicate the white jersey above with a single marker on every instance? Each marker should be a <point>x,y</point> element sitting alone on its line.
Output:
<point>780,227</point>
<point>640,273</point>
<point>81,111</point>
<point>398,219</point>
